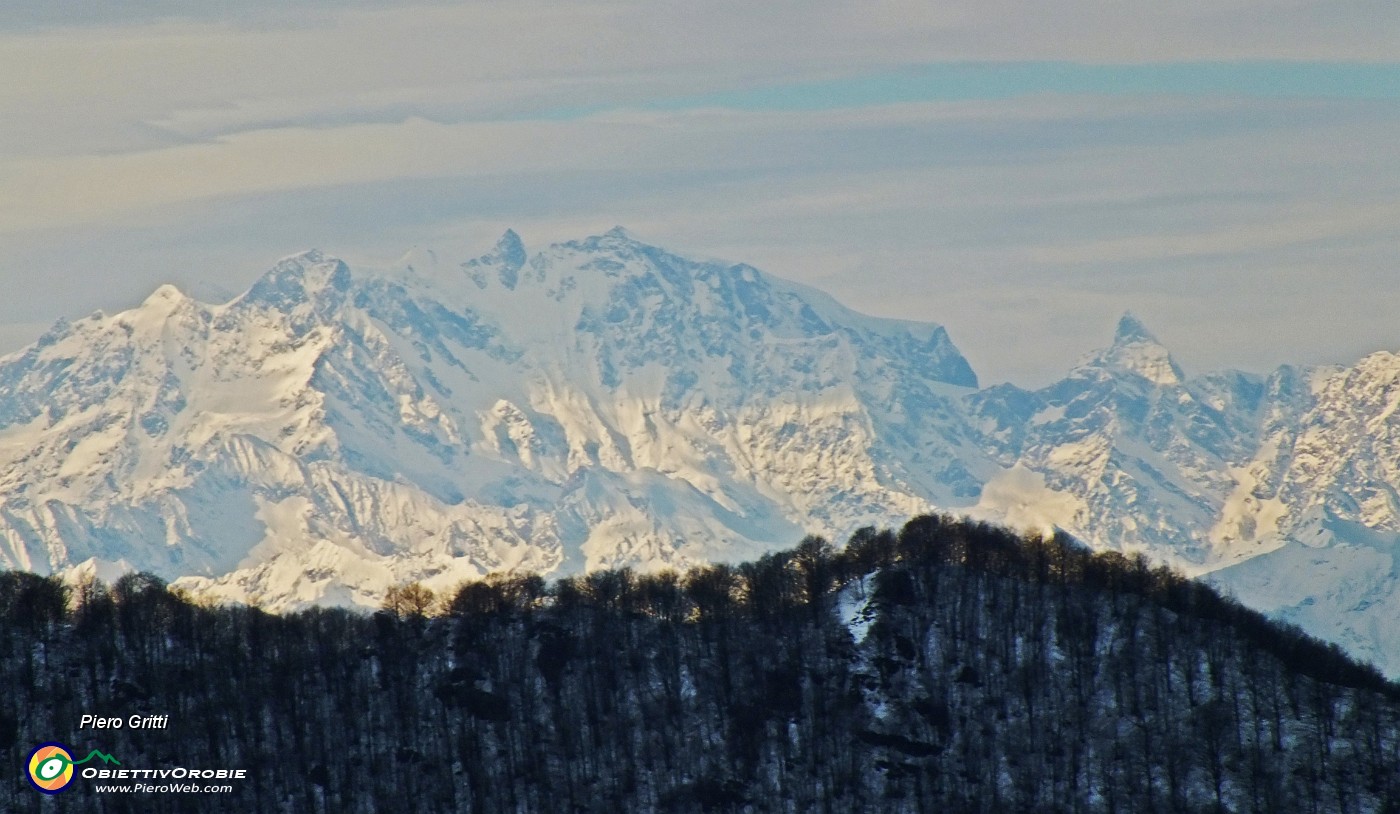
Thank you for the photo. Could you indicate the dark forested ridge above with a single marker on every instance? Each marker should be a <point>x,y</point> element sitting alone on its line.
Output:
<point>949,667</point>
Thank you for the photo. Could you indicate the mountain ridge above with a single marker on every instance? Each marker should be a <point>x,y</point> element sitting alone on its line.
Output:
<point>603,402</point>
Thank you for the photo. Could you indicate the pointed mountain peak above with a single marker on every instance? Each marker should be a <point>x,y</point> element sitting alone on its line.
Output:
<point>511,249</point>
<point>164,301</point>
<point>1136,350</point>
<point>1130,330</point>
<point>507,258</point>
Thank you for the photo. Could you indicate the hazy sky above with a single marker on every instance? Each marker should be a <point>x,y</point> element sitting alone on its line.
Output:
<point>1022,172</point>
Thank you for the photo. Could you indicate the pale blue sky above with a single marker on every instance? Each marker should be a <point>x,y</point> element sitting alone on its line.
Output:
<point>1020,172</point>
<point>969,81</point>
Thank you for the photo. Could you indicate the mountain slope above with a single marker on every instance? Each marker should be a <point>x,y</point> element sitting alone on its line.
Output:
<point>1280,488</point>
<point>1148,455</point>
<point>602,402</point>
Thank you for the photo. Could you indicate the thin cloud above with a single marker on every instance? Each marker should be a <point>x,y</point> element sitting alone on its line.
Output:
<point>856,147</point>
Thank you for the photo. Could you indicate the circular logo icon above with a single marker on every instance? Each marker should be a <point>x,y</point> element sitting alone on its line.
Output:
<point>50,767</point>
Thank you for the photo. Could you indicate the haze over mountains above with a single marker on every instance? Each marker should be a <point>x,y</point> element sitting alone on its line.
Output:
<point>603,402</point>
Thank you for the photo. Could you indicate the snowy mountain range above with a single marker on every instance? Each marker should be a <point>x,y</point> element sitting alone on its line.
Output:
<point>603,402</point>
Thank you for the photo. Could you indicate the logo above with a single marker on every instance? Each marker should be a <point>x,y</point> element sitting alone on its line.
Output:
<point>51,766</point>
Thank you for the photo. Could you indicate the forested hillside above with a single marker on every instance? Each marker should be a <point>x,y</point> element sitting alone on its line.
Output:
<point>947,667</point>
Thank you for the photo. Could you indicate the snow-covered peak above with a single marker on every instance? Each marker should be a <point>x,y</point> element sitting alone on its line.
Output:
<point>298,279</point>
<point>158,308</point>
<point>327,434</point>
<point>617,242</point>
<point>299,263</point>
<point>604,401</point>
<point>164,295</point>
<point>1135,350</point>
<point>417,260</point>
